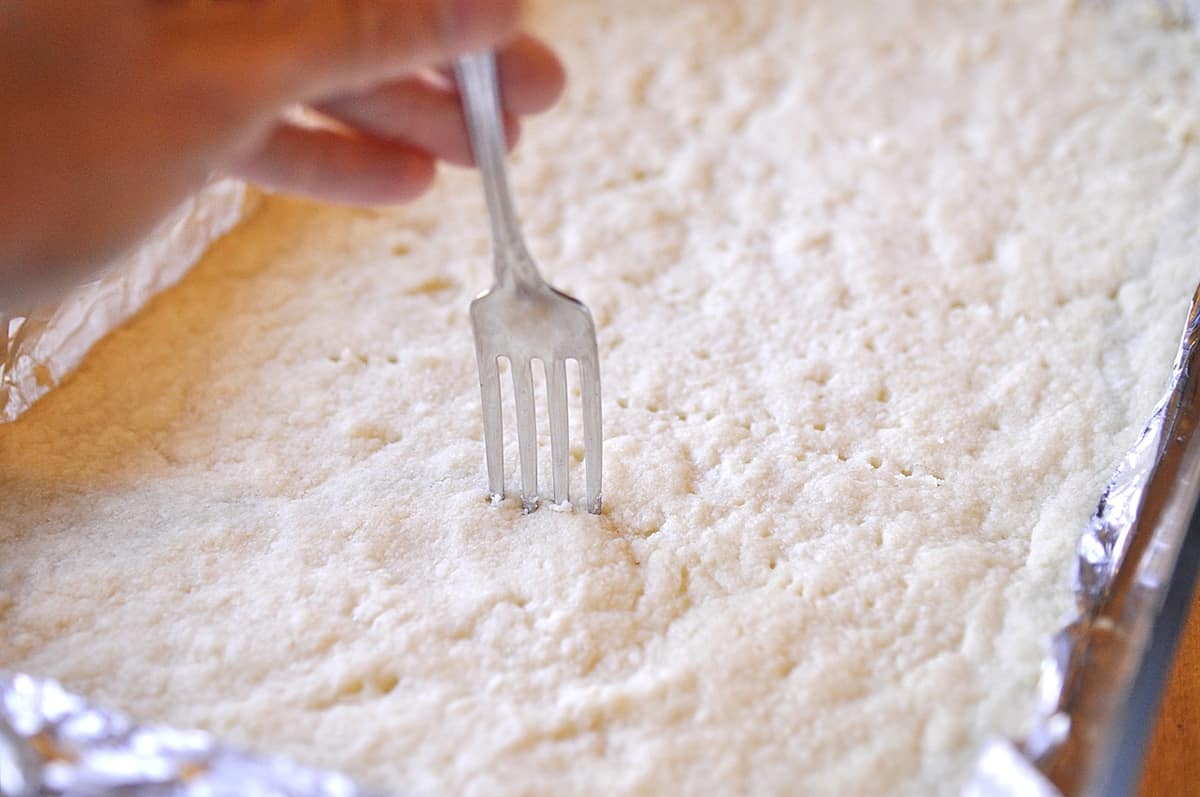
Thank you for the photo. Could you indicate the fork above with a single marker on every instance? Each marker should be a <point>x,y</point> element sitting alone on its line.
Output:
<point>522,318</point>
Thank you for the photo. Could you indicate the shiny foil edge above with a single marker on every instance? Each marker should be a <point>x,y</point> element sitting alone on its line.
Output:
<point>41,348</point>
<point>53,742</point>
<point>1125,559</point>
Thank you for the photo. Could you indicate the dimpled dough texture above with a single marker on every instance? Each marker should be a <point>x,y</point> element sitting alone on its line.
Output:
<point>883,292</point>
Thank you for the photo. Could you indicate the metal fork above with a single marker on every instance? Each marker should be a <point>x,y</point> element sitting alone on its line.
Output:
<point>522,318</point>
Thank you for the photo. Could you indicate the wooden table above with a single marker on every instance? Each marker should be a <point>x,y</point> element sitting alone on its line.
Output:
<point>1173,760</point>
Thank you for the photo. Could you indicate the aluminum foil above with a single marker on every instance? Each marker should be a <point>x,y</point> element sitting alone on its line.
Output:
<point>53,743</point>
<point>39,349</point>
<point>1125,561</point>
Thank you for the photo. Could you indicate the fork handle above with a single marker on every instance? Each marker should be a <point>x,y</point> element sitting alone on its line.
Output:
<point>480,91</point>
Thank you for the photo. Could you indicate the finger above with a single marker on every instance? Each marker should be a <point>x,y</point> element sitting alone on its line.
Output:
<point>531,76</point>
<point>338,167</point>
<point>416,112</point>
<point>292,50</point>
<point>427,112</point>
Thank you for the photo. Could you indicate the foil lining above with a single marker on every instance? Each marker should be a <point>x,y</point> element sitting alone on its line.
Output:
<point>54,743</point>
<point>1125,560</point>
<point>39,349</point>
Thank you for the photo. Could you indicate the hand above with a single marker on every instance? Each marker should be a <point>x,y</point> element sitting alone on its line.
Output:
<point>113,111</point>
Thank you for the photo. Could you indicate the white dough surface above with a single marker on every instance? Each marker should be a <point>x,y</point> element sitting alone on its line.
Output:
<point>883,292</point>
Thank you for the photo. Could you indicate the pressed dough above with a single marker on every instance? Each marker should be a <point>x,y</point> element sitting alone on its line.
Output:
<point>883,291</point>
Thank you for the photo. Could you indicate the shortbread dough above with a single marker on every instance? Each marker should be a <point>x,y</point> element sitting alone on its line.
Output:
<point>883,292</point>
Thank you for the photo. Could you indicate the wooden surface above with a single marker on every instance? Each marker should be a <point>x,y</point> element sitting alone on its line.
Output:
<point>1173,760</point>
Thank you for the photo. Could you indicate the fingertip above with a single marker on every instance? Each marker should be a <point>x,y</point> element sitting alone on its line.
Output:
<point>403,176</point>
<point>418,179</point>
<point>512,131</point>
<point>532,77</point>
<point>553,77</point>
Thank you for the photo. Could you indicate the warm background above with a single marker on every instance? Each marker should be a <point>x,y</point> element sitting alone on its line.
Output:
<point>1171,767</point>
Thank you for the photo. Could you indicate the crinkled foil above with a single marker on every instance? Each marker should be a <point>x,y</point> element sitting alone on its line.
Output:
<point>38,350</point>
<point>53,743</point>
<point>1126,558</point>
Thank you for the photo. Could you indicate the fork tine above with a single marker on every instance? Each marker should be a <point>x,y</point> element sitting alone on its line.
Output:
<point>493,425</point>
<point>589,382</point>
<point>526,432</point>
<point>556,387</point>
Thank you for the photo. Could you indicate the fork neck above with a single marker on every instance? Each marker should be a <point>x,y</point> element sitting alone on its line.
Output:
<point>481,101</point>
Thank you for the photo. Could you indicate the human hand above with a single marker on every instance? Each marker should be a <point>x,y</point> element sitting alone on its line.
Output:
<point>113,111</point>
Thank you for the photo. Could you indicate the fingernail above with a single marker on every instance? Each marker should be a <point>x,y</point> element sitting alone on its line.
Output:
<point>474,24</point>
